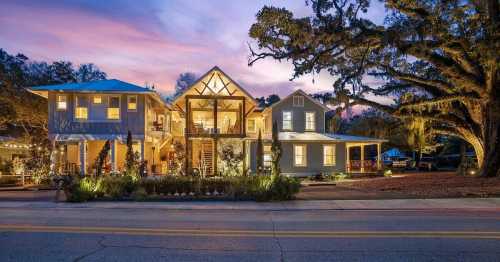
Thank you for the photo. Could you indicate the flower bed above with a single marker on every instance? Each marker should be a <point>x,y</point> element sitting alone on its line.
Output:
<point>259,188</point>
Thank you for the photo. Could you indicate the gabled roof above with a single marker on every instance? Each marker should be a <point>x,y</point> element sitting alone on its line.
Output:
<point>299,91</point>
<point>216,68</point>
<point>111,85</point>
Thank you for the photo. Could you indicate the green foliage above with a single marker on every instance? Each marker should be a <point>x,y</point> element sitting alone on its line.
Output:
<point>275,151</point>
<point>101,158</point>
<point>388,173</point>
<point>260,188</point>
<point>231,160</point>
<point>260,154</point>
<point>8,181</point>
<point>131,159</point>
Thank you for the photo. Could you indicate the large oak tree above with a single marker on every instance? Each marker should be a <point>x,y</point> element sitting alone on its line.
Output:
<point>440,57</point>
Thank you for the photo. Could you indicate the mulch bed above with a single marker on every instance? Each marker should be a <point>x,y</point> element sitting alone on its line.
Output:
<point>430,185</point>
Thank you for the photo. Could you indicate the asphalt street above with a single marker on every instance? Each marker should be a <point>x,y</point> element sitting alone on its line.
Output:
<point>80,233</point>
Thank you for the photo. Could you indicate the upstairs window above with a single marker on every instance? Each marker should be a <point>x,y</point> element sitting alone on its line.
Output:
<point>251,127</point>
<point>328,155</point>
<point>132,103</point>
<point>61,103</point>
<point>97,99</point>
<point>114,108</point>
<point>299,155</point>
<point>81,108</point>
<point>287,120</point>
<point>310,121</point>
<point>298,101</point>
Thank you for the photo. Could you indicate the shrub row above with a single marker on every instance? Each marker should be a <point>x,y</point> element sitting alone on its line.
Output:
<point>260,188</point>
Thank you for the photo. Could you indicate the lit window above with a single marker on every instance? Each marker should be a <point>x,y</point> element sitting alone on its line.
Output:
<point>267,156</point>
<point>287,120</point>
<point>298,101</point>
<point>81,108</point>
<point>251,125</point>
<point>310,121</point>
<point>114,108</point>
<point>299,153</point>
<point>136,147</point>
<point>132,103</point>
<point>97,99</point>
<point>61,102</point>
<point>328,155</point>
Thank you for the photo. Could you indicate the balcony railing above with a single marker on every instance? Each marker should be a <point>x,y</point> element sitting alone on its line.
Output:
<point>200,129</point>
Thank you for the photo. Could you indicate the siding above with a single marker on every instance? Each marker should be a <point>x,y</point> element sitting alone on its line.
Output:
<point>298,114</point>
<point>314,158</point>
<point>63,122</point>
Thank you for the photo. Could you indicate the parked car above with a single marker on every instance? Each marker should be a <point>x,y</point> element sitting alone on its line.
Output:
<point>401,162</point>
<point>427,164</point>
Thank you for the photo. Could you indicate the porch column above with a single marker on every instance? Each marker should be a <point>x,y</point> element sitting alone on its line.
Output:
<point>113,155</point>
<point>362,162</point>
<point>379,156</point>
<point>83,157</point>
<point>347,160</point>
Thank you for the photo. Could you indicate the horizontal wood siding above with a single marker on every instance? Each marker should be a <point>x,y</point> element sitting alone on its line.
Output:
<point>63,122</point>
<point>298,114</point>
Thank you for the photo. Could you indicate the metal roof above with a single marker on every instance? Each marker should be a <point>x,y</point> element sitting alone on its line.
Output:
<point>323,137</point>
<point>111,85</point>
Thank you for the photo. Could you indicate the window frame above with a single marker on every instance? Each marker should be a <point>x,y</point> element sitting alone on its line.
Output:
<point>254,130</point>
<point>119,108</point>
<point>313,123</point>
<point>97,96</point>
<point>128,102</point>
<point>304,156</point>
<point>267,152</point>
<point>300,101</point>
<point>333,155</point>
<point>65,102</point>
<point>76,108</point>
<point>283,120</point>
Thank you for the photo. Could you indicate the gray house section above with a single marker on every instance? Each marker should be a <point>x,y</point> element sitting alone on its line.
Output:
<point>63,121</point>
<point>314,158</point>
<point>299,113</point>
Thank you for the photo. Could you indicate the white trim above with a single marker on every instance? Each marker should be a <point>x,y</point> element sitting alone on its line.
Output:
<point>304,146</point>
<point>65,102</point>
<point>300,101</point>
<point>75,106</point>
<point>334,154</point>
<point>283,120</point>
<point>254,130</point>
<point>299,91</point>
<point>128,102</point>
<point>119,107</point>
<point>314,121</point>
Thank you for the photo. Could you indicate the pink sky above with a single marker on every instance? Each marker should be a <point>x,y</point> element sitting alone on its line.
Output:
<point>153,41</point>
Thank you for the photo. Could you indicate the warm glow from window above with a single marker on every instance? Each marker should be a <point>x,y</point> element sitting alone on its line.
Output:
<point>299,153</point>
<point>97,100</point>
<point>61,102</point>
<point>132,103</point>
<point>267,156</point>
<point>287,120</point>
<point>310,121</point>
<point>251,125</point>
<point>114,108</point>
<point>81,113</point>
<point>329,155</point>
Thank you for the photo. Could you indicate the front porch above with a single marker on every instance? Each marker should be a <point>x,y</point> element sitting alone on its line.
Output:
<point>363,158</point>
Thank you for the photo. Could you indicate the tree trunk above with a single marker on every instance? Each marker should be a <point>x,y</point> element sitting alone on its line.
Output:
<point>491,163</point>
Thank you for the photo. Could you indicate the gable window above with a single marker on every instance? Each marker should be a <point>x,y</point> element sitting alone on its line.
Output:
<point>251,127</point>
<point>287,120</point>
<point>299,155</point>
<point>81,108</point>
<point>298,101</point>
<point>310,121</point>
<point>131,103</point>
<point>113,108</point>
<point>328,155</point>
<point>97,99</point>
<point>62,103</point>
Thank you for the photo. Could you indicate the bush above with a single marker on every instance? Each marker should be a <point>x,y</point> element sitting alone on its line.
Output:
<point>388,173</point>
<point>118,186</point>
<point>8,180</point>
<point>139,194</point>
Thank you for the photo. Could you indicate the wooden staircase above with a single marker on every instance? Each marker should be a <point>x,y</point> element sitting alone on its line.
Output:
<point>207,155</point>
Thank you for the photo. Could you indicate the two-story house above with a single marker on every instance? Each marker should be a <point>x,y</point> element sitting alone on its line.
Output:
<point>213,114</point>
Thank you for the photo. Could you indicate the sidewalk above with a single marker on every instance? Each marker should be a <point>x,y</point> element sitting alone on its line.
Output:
<point>393,204</point>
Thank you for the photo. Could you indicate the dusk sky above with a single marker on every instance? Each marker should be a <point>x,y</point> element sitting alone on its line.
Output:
<point>154,41</point>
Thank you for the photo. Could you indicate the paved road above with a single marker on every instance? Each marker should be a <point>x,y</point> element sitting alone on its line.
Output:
<point>82,233</point>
